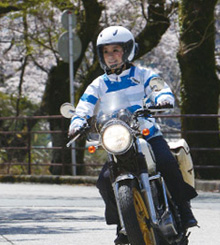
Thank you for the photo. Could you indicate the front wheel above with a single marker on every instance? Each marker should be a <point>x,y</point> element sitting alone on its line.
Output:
<point>135,214</point>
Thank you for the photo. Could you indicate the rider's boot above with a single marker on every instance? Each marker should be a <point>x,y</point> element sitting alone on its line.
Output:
<point>121,238</point>
<point>187,217</point>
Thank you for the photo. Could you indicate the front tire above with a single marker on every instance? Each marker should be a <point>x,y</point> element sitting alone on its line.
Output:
<point>135,214</point>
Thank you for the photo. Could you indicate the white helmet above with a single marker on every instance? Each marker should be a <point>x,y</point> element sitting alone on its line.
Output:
<point>116,35</point>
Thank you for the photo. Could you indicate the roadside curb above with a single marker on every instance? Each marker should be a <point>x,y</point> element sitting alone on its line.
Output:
<point>200,185</point>
<point>49,179</point>
<point>207,185</point>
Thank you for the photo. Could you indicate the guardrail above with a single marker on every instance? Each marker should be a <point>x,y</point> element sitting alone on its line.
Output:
<point>23,128</point>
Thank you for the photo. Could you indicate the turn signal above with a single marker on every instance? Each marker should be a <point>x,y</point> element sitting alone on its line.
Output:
<point>91,149</point>
<point>146,132</point>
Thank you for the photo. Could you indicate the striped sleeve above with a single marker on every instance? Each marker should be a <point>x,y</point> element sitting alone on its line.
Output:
<point>87,102</point>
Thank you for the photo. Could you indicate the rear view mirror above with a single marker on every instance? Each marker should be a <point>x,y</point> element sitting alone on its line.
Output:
<point>67,110</point>
<point>156,84</point>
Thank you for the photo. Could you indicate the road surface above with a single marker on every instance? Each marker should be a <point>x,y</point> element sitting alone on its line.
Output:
<point>41,214</point>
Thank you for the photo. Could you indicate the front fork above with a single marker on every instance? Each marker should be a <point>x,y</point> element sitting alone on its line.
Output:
<point>146,190</point>
<point>115,186</point>
<point>165,223</point>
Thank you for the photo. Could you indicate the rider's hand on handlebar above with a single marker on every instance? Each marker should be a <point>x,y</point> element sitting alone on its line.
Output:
<point>76,124</point>
<point>72,131</point>
<point>161,106</point>
<point>164,104</point>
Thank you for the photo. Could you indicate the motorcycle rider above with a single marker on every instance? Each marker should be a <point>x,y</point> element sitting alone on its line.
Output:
<point>116,49</point>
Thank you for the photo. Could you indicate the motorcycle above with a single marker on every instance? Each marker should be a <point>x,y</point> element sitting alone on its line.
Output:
<point>148,214</point>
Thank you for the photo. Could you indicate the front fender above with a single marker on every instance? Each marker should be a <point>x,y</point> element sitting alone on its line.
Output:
<point>123,177</point>
<point>115,185</point>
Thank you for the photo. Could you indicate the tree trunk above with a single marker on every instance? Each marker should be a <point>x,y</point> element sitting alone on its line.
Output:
<point>157,24</point>
<point>199,82</point>
<point>57,90</point>
<point>56,93</point>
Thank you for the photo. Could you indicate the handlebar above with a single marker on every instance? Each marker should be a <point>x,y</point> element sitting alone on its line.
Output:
<point>156,108</point>
<point>145,112</point>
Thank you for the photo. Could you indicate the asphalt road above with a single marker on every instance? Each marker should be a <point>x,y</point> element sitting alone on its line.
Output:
<point>41,214</point>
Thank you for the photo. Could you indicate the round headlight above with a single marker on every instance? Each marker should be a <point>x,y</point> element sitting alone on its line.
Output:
<point>116,138</point>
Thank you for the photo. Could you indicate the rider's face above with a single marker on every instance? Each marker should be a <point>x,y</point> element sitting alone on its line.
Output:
<point>113,56</point>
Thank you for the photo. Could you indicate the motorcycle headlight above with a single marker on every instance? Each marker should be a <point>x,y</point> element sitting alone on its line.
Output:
<point>116,138</point>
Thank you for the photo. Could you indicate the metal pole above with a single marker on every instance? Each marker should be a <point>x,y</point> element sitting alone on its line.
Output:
<point>71,75</point>
<point>29,146</point>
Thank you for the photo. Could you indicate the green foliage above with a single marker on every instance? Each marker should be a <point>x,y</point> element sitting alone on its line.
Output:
<point>8,106</point>
<point>9,157</point>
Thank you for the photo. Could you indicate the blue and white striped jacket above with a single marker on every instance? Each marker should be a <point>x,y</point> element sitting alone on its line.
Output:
<point>134,82</point>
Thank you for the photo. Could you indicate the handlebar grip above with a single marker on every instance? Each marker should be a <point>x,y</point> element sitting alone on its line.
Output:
<point>159,107</point>
<point>75,136</point>
<point>72,136</point>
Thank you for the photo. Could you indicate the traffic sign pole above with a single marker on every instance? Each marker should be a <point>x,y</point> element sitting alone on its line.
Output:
<point>71,77</point>
<point>67,41</point>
